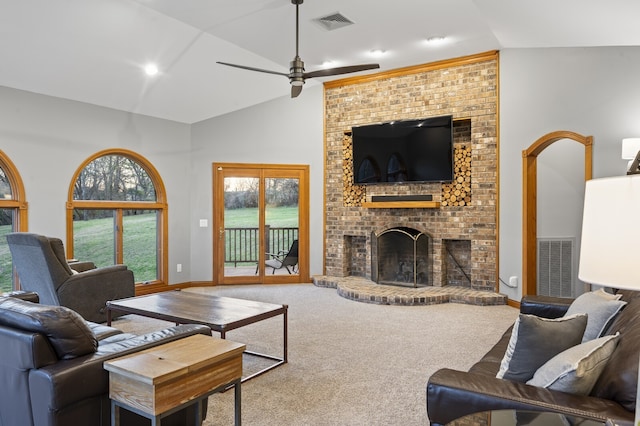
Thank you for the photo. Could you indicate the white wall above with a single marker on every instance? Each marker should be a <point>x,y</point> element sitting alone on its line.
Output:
<point>282,131</point>
<point>591,91</point>
<point>48,138</point>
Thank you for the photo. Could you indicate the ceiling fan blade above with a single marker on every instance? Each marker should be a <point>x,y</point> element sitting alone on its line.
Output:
<point>253,69</point>
<point>340,70</point>
<point>295,91</point>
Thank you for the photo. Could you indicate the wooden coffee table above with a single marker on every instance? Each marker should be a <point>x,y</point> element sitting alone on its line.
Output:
<point>221,314</point>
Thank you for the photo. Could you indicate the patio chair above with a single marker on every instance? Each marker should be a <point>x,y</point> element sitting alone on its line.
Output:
<point>284,259</point>
<point>42,267</point>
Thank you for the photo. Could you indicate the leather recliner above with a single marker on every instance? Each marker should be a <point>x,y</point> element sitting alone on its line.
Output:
<point>43,268</point>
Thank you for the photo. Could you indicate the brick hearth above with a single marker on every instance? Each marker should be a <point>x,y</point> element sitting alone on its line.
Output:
<point>364,290</point>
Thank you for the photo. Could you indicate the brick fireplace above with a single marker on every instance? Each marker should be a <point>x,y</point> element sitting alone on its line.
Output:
<point>461,227</point>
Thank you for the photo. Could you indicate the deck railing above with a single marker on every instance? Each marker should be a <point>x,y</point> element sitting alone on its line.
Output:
<point>241,244</point>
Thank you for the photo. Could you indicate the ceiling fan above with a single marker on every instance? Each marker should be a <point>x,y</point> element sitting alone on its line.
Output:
<point>297,74</point>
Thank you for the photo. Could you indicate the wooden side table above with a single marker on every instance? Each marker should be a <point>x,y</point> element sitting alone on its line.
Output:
<point>164,379</point>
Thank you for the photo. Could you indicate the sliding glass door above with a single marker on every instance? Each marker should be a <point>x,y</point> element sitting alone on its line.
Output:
<point>260,223</point>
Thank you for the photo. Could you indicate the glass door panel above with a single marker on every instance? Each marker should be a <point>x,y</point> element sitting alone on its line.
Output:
<point>241,225</point>
<point>281,225</point>
<point>94,236</point>
<point>260,214</point>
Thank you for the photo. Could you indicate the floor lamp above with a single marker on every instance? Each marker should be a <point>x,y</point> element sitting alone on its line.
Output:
<point>631,152</point>
<point>610,236</point>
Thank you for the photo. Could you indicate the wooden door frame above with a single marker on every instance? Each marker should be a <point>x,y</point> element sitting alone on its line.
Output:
<point>303,275</point>
<point>530,202</point>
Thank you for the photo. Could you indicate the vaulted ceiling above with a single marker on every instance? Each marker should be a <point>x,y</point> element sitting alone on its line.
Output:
<point>94,51</point>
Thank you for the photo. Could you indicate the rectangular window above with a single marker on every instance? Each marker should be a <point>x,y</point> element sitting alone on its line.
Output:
<point>6,266</point>
<point>140,243</point>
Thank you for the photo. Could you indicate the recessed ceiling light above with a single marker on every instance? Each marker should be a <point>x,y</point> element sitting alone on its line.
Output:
<point>151,69</point>
<point>327,64</point>
<point>376,53</point>
<point>435,40</point>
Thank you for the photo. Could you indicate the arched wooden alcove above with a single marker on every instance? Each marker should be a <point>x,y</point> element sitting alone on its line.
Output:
<point>530,203</point>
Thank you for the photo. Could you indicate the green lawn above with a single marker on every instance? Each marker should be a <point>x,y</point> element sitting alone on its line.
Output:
<point>279,217</point>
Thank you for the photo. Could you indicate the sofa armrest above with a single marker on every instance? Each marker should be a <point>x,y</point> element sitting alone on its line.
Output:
<point>29,296</point>
<point>81,266</point>
<point>69,382</point>
<point>545,306</point>
<point>452,394</point>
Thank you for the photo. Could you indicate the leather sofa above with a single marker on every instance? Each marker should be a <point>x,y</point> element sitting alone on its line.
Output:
<point>51,366</point>
<point>452,394</point>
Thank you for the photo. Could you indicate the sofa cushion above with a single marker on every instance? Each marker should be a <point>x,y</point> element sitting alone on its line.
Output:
<point>576,369</point>
<point>66,330</point>
<point>535,340</point>
<point>58,249</point>
<point>600,308</point>
<point>619,380</point>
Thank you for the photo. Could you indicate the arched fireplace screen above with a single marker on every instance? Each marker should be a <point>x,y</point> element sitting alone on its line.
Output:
<point>401,256</point>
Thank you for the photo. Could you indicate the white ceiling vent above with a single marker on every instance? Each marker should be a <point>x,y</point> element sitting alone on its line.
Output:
<point>333,21</point>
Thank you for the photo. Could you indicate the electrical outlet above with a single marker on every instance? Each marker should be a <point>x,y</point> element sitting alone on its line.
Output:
<point>179,267</point>
<point>513,281</point>
<point>204,223</point>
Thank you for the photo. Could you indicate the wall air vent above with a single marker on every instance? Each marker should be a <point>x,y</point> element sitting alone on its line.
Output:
<point>333,21</point>
<point>556,267</point>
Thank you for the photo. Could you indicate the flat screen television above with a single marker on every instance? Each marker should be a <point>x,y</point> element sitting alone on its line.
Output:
<point>403,151</point>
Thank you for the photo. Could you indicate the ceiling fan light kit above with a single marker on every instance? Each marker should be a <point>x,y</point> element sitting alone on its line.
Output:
<point>297,74</point>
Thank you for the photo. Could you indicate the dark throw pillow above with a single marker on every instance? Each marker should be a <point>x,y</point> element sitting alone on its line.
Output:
<point>535,340</point>
<point>67,331</point>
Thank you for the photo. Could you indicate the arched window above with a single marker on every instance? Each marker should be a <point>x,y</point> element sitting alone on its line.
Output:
<point>396,170</point>
<point>117,214</point>
<point>13,217</point>
<point>368,171</point>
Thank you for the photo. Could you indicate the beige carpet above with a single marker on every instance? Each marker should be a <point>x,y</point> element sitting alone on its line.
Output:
<point>350,363</point>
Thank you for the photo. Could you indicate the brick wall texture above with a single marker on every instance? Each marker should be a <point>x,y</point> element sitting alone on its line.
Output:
<point>466,88</point>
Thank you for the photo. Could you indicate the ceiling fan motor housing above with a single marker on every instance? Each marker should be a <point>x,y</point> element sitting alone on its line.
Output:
<point>296,71</point>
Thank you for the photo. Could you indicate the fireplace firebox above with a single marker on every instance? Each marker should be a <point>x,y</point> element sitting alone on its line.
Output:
<point>401,256</point>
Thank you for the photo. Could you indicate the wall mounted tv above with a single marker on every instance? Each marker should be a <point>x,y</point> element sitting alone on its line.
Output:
<point>404,151</point>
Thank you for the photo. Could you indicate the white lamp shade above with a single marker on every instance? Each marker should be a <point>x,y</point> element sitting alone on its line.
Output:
<point>630,148</point>
<point>611,233</point>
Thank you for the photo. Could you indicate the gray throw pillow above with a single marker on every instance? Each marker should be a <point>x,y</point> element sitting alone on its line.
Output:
<point>535,340</point>
<point>577,369</point>
<point>609,296</point>
<point>600,310</point>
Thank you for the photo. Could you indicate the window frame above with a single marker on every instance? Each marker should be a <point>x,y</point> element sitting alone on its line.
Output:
<point>18,202</point>
<point>18,197</point>
<point>160,205</point>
